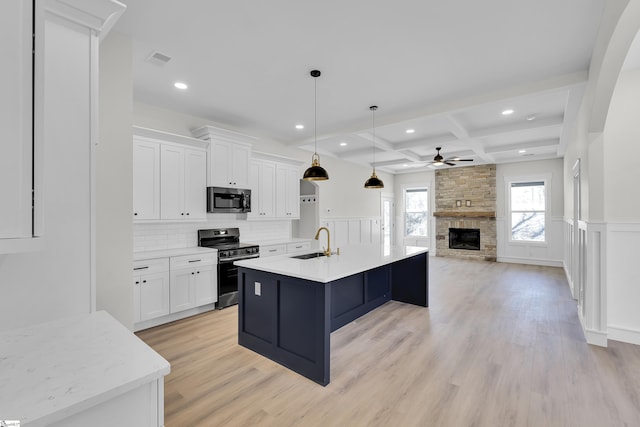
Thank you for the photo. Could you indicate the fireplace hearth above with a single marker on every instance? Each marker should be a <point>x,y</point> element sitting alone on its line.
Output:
<point>464,238</point>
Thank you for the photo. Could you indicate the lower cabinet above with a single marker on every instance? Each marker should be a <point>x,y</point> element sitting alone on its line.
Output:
<point>284,248</point>
<point>192,287</point>
<point>150,289</point>
<point>164,286</point>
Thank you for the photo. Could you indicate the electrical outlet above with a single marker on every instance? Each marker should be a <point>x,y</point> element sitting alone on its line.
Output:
<point>258,288</point>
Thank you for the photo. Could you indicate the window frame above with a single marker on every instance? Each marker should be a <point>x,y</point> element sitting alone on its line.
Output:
<point>546,180</point>
<point>405,190</point>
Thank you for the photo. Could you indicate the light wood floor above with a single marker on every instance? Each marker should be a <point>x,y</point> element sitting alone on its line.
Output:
<point>500,345</point>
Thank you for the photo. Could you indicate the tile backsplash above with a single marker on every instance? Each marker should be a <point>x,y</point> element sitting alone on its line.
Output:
<point>173,235</point>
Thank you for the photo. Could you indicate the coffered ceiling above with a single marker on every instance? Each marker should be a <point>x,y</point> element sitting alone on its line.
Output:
<point>447,70</point>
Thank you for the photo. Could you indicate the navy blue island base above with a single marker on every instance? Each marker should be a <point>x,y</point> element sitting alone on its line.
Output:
<point>289,320</point>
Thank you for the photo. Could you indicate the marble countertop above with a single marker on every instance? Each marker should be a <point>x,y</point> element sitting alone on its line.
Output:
<point>352,259</point>
<point>166,253</point>
<point>51,371</point>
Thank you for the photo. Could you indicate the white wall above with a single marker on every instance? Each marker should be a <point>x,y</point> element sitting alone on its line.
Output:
<point>114,169</point>
<point>605,140</point>
<point>551,252</point>
<point>55,282</point>
<point>622,205</point>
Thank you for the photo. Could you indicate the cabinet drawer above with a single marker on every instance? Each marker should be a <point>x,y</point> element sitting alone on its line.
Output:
<point>151,266</point>
<point>298,246</point>
<point>271,250</point>
<point>196,260</point>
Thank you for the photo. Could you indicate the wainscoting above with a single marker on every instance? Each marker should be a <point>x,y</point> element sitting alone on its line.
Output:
<point>600,264</point>
<point>352,230</point>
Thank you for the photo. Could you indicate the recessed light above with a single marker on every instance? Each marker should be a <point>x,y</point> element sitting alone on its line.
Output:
<point>180,85</point>
<point>410,130</point>
<point>530,117</point>
<point>405,165</point>
<point>299,126</point>
<point>522,151</point>
<point>507,112</point>
<point>343,144</point>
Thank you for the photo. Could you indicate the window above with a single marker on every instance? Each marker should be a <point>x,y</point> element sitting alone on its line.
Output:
<point>416,209</point>
<point>528,209</point>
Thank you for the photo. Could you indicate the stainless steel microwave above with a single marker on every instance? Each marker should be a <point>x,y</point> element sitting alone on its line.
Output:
<point>228,200</point>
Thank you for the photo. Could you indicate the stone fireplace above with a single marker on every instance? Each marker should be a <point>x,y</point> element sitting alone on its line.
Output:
<point>466,200</point>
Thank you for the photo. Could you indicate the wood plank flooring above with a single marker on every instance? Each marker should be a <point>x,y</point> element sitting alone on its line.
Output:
<point>500,345</point>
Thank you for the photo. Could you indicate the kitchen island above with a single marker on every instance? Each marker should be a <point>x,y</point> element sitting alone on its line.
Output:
<point>288,306</point>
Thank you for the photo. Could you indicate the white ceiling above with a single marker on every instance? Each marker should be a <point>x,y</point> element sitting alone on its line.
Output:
<point>445,69</point>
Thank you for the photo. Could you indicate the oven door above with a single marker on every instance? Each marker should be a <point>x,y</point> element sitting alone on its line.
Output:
<point>228,281</point>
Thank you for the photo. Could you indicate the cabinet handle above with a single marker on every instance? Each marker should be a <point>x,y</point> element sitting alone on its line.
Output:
<point>198,272</point>
<point>140,268</point>
<point>137,283</point>
<point>135,213</point>
<point>195,260</point>
<point>193,272</point>
<point>182,213</point>
<point>144,281</point>
<point>187,213</point>
<point>273,250</point>
<point>299,247</point>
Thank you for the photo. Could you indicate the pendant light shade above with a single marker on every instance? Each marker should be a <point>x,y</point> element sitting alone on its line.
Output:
<point>374,181</point>
<point>315,172</point>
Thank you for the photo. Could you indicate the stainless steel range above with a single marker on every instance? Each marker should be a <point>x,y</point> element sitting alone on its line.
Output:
<point>227,242</point>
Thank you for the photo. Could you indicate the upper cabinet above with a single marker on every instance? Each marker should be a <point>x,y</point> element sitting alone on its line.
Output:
<point>169,176</point>
<point>288,191</point>
<point>275,185</point>
<point>229,156</point>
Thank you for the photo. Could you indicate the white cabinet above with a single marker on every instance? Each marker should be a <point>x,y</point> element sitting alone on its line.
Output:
<point>262,176</point>
<point>229,156</point>
<point>182,183</point>
<point>193,281</point>
<point>146,180</point>
<point>272,250</point>
<point>229,164</point>
<point>287,191</point>
<point>169,176</point>
<point>150,289</point>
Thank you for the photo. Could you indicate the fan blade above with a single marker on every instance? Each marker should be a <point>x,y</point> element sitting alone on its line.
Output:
<point>450,164</point>
<point>464,160</point>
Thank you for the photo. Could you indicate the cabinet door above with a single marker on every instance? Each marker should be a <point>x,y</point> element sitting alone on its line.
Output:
<point>195,181</point>
<point>182,289</point>
<point>293,192</point>
<point>136,299</point>
<point>206,286</point>
<point>172,182</point>
<point>154,295</point>
<point>240,165</point>
<point>255,167</point>
<point>281,191</point>
<point>268,190</point>
<point>15,119</point>
<point>220,164</point>
<point>146,180</point>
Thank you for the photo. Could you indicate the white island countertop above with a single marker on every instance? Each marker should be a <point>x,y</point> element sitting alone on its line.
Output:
<point>352,260</point>
<point>51,371</point>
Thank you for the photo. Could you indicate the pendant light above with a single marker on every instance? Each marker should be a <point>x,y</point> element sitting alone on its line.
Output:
<point>315,172</point>
<point>374,181</point>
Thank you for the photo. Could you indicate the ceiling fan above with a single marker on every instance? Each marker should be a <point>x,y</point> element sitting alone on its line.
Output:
<point>439,160</point>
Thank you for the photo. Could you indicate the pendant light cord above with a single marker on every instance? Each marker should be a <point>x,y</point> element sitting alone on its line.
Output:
<point>373,125</point>
<point>315,116</point>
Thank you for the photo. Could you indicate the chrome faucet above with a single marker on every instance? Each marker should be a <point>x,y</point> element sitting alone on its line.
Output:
<point>327,252</point>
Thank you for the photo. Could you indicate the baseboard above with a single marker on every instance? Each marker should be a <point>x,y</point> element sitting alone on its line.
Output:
<point>531,261</point>
<point>593,337</point>
<point>172,317</point>
<point>618,333</point>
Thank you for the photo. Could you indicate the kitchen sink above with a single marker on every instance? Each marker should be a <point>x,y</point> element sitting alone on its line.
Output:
<point>309,256</point>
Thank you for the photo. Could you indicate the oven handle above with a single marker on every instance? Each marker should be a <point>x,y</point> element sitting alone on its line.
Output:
<point>230,260</point>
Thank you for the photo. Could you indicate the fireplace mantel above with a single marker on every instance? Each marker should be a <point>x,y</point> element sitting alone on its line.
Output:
<point>465,214</point>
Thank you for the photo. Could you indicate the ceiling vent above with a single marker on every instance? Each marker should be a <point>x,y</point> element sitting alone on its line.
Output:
<point>157,58</point>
